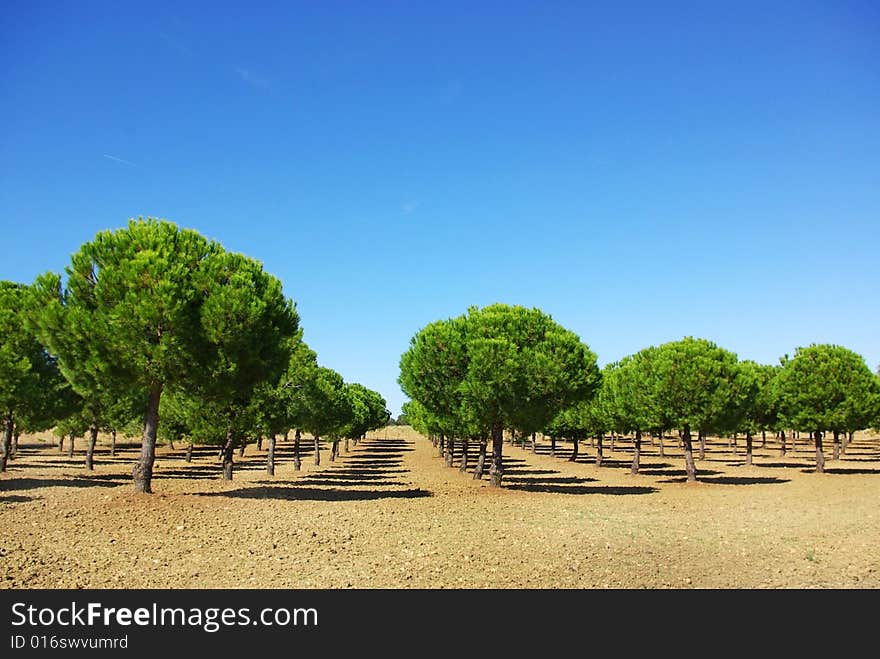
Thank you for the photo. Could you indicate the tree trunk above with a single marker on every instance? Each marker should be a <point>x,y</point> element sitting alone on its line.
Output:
<point>16,432</point>
<point>637,449</point>
<point>297,461</point>
<point>689,465</point>
<point>702,437</point>
<point>844,442</point>
<point>660,437</point>
<point>287,435</point>
<point>441,447</point>
<point>592,441</point>
<point>612,442</point>
<point>732,443</point>
<point>835,454</point>
<point>820,457</point>
<point>464,456</point>
<point>270,456</point>
<point>782,447</point>
<point>90,451</point>
<point>763,439</point>
<point>450,451</point>
<point>574,450</point>
<point>599,454</point>
<point>345,446</point>
<point>228,450</point>
<point>142,472</point>
<point>113,443</point>
<point>189,452</point>
<point>241,450</point>
<point>61,443</point>
<point>171,444</point>
<point>7,441</point>
<point>481,458</point>
<point>496,472</point>
<point>552,446</point>
<point>317,450</point>
<point>534,450</point>
<point>260,442</point>
<point>749,448</point>
<point>334,449</point>
<point>70,442</point>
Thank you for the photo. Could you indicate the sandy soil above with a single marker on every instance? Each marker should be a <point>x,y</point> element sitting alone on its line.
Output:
<point>389,514</point>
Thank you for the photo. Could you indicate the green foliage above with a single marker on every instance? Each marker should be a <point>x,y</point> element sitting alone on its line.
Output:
<point>523,368</point>
<point>325,410</point>
<point>828,387</point>
<point>31,386</point>
<point>694,383</point>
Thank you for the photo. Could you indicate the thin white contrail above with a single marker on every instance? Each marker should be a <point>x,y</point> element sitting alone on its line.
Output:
<point>124,162</point>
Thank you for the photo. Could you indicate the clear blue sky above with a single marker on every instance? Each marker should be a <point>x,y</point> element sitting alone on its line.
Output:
<point>640,171</point>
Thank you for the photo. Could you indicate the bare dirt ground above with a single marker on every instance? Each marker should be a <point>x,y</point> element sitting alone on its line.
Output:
<point>389,514</point>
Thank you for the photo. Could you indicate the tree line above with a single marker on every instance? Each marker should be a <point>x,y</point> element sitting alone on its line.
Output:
<point>502,367</point>
<point>157,330</point>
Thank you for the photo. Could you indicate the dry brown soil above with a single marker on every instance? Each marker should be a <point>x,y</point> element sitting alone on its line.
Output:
<point>389,514</point>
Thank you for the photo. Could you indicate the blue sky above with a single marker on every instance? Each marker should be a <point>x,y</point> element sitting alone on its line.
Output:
<point>640,171</point>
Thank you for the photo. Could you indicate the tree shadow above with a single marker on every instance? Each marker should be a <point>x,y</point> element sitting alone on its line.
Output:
<point>316,494</point>
<point>844,471</point>
<point>17,498</point>
<point>36,483</point>
<point>731,480</point>
<point>518,472</point>
<point>582,489</point>
<point>546,479</point>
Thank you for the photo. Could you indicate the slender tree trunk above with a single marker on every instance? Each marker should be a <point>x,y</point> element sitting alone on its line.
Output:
<point>16,432</point>
<point>8,423</point>
<point>534,436</point>
<point>189,452</point>
<point>345,445</point>
<point>61,443</point>
<point>113,443</point>
<point>142,472</point>
<point>794,436</point>
<point>450,451</point>
<point>689,465</point>
<point>260,442</point>
<point>763,439</point>
<point>481,458</point>
<point>835,455</point>
<point>241,449</point>
<point>90,451</point>
<point>171,444</point>
<point>287,435</point>
<point>592,441</point>
<point>552,446</point>
<point>732,443</point>
<point>575,445</point>
<point>749,447</point>
<point>637,449</point>
<point>334,449</point>
<point>464,455</point>
<point>70,443</point>
<point>317,450</point>
<point>660,438</point>
<point>441,448</point>
<point>270,456</point>
<point>496,472</point>
<point>297,461</point>
<point>820,456</point>
<point>599,453</point>
<point>845,439</point>
<point>612,442</point>
<point>782,446</point>
<point>702,437</point>
<point>228,451</point>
